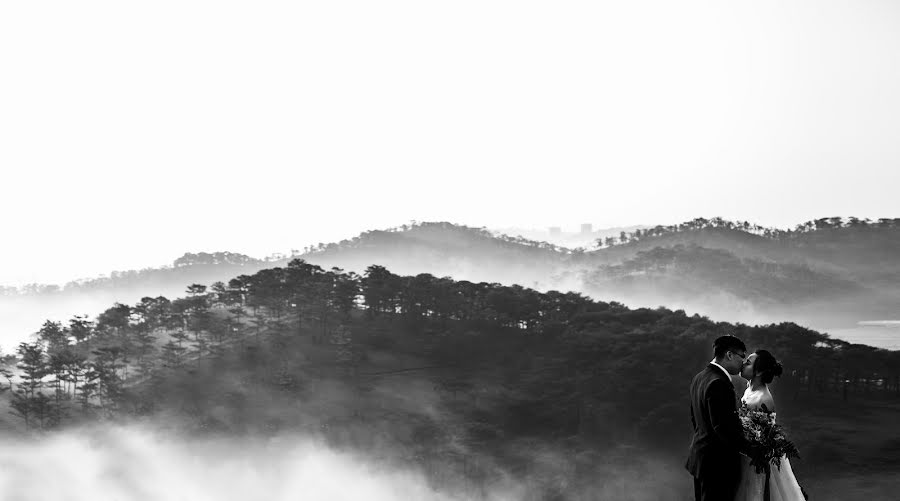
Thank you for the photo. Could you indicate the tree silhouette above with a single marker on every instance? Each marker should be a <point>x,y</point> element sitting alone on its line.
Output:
<point>81,328</point>
<point>54,336</point>
<point>28,402</point>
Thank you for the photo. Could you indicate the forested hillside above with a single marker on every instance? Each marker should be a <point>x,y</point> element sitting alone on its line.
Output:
<point>828,274</point>
<point>468,381</point>
<point>861,249</point>
<point>446,249</point>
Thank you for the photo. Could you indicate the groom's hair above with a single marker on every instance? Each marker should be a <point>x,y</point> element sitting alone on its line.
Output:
<point>727,343</point>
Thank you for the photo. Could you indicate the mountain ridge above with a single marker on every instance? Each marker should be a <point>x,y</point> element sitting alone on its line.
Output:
<point>844,270</point>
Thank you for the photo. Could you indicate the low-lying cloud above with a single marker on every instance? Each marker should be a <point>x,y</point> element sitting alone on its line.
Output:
<point>134,463</point>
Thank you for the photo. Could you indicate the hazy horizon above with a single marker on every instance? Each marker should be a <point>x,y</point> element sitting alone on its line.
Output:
<point>103,263</point>
<point>135,133</point>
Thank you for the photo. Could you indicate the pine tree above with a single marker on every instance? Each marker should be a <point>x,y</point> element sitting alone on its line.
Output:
<point>89,387</point>
<point>106,365</point>
<point>54,336</point>
<point>81,328</point>
<point>146,346</point>
<point>173,355</point>
<point>28,401</point>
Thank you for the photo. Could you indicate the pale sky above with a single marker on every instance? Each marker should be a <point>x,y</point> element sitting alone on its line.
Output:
<point>132,132</point>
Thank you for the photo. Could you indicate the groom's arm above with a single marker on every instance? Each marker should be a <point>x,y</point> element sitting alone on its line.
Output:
<point>723,414</point>
<point>693,419</point>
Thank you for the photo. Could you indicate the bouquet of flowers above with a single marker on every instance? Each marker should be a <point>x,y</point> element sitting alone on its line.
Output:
<point>768,443</point>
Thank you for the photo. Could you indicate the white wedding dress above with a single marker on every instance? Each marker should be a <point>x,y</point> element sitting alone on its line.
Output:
<point>783,485</point>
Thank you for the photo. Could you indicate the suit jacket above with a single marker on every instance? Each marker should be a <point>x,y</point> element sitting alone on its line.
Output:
<point>718,437</point>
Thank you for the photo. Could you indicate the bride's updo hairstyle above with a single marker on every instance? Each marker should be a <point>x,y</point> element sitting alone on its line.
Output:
<point>766,365</point>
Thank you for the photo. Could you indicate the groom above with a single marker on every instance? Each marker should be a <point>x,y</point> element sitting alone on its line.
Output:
<point>714,458</point>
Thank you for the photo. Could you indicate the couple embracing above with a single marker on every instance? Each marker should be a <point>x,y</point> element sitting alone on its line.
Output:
<point>718,457</point>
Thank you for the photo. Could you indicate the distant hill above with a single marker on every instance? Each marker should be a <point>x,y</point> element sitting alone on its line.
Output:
<point>863,249</point>
<point>569,239</point>
<point>23,309</point>
<point>446,249</point>
<point>718,282</point>
<point>829,273</point>
<point>442,249</point>
<point>193,267</point>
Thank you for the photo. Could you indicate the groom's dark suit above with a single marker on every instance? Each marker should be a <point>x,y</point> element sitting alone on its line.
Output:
<point>714,459</point>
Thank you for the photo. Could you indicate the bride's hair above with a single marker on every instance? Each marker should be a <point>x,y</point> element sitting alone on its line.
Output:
<point>767,366</point>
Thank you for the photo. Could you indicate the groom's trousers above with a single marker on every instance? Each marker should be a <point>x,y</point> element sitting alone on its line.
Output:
<point>715,488</point>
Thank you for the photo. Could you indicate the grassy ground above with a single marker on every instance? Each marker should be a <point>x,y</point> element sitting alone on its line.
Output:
<point>849,449</point>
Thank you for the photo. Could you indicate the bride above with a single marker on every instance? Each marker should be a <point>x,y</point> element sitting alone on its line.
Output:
<point>759,370</point>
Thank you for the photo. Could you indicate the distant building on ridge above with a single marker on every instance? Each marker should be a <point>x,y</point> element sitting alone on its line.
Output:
<point>587,228</point>
<point>555,230</point>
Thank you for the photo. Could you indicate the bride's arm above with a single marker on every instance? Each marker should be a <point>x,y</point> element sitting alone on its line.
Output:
<point>768,403</point>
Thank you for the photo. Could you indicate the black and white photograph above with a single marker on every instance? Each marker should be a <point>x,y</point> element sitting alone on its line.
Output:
<point>491,250</point>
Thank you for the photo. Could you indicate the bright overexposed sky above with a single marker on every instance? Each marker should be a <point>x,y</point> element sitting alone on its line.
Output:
<point>132,132</point>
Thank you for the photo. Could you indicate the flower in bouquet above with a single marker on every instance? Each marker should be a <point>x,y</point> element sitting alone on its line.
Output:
<point>768,442</point>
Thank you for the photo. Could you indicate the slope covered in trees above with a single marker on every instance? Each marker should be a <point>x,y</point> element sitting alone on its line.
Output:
<point>746,289</point>
<point>23,309</point>
<point>191,267</point>
<point>446,249</point>
<point>827,274</point>
<point>465,380</point>
<point>862,249</point>
<point>441,249</point>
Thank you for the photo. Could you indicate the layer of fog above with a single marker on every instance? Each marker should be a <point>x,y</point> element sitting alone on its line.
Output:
<point>139,463</point>
<point>136,463</point>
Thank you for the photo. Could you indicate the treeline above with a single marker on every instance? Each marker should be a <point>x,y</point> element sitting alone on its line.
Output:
<point>60,374</point>
<point>565,359</point>
<point>121,279</point>
<point>821,224</point>
<point>81,368</point>
<point>463,235</point>
<point>440,231</point>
